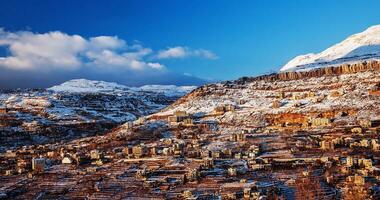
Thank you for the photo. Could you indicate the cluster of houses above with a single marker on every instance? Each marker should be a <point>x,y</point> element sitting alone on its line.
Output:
<point>188,150</point>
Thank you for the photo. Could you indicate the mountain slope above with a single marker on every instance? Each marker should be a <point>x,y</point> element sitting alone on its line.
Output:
<point>254,99</point>
<point>78,107</point>
<point>358,47</point>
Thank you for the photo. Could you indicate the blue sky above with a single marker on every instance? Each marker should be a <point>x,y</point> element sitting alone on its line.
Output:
<point>246,38</point>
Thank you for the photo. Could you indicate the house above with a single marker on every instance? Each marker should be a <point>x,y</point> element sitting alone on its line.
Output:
<point>375,144</point>
<point>335,94</point>
<point>364,143</point>
<point>38,164</point>
<point>95,155</point>
<point>188,122</point>
<point>192,174</point>
<point>208,162</point>
<point>178,116</point>
<point>297,96</point>
<point>276,104</point>
<point>8,172</point>
<point>187,194</point>
<point>350,161</point>
<point>129,125</point>
<point>317,122</point>
<point>140,121</point>
<point>139,151</point>
<point>241,101</point>
<point>173,119</point>
<point>51,154</point>
<point>357,179</point>
<point>247,192</point>
<point>229,108</point>
<point>232,171</point>
<point>327,145</point>
<point>237,137</point>
<point>67,160</point>
<point>3,110</point>
<point>375,123</point>
<point>366,163</point>
<point>356,130</point>
<point>281,95</point>
<point>219,110</point>
<point>127,151</point>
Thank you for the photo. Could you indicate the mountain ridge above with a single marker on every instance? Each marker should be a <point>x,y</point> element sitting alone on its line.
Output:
<point>95,86</point>
<point>362,46</point>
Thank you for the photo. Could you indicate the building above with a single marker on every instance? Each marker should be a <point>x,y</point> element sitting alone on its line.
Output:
<point>281,95</point>
<point>38,164</point>
<point>95,155</point>
<point>335,94</point>
<point>220,110</point>
<point>3,110</point>
<point>317,122</point>
<point>67,160</point>
<point>229,108</point>
<point>370,123</point>
<point>327,145</point>
<point>357,130</point>
<point>232,171</point>
<point>178,116</point>
<point>188,122</point>
<point>140,121</point>
<point>364,143</point>
<point>350,161</point>
<point>241,101</point>
<point>366,163</point>
<point>276,104</point>
<point>139,151</point>
<point>129,125</point>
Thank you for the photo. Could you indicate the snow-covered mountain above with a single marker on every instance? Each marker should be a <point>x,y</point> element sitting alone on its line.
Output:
<point>92,86</point>
<point>79,107</point>
<point>358,47</point>
<point>88,86</point>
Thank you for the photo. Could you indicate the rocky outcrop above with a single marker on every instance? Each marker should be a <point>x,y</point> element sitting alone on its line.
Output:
<point>327,71</point>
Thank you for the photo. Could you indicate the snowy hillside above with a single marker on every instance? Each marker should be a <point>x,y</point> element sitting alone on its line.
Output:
<point>361,46</point>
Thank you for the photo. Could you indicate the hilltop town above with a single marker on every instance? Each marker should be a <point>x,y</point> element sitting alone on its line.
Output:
<point>292,135</point>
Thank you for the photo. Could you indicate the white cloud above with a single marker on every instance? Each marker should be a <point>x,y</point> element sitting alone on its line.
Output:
<point>107,42</point>
<point>156,65</point>
<point>54,49</point>
<point>205,54</point>
<point>57,50</point>
<point>182,52</point>
<point>173,52</point>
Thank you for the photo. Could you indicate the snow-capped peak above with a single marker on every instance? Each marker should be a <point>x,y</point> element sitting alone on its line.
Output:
<point>360,46</point>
